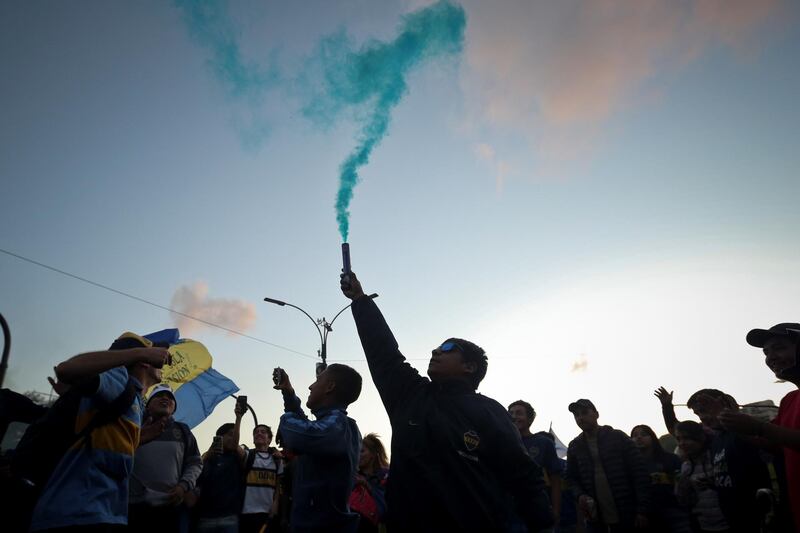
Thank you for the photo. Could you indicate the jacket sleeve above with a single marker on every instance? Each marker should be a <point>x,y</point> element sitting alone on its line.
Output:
<point>325,436</point>
<point>192,463</point>
<point>291,404</point>
<point>573,472</point>
<point>521,475</point>
<point>393,376</point>
<point>670,420</point>
<point>637,472</point>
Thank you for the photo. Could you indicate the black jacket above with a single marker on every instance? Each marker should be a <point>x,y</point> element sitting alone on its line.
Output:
<point>458,463</point>
<point>624,467</point>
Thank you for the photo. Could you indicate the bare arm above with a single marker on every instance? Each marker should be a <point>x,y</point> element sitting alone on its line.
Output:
<point>88,365</point>
<point>771,433</point>
<point>239,411</point>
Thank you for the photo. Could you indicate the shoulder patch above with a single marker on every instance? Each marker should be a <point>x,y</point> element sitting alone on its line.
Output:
<point>471,440</point>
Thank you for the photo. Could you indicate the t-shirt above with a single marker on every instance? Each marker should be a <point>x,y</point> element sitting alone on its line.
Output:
<point>90,484</point>
<point>662,469</point>
<point>261,482</point>
<point>739,472</point>
<point>220,486</point>
<point>705,506</point>
<point>162,463</point>
<point>789,417</point>
<point>543,451</point>
<point>605,498</point>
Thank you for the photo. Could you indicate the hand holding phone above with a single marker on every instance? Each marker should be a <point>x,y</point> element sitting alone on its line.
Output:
<point>241,406</point>
<point>216,445</point>
<point>281,380</point>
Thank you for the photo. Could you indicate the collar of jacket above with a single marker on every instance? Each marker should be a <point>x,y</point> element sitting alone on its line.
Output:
<point>601,432</point>
<point>325,411</point>
<point>455,386</point>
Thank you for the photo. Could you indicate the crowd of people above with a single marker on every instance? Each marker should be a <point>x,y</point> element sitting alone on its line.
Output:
<point>106,458</point>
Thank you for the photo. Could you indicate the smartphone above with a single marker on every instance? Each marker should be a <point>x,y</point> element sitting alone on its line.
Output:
<point>242,401</point>
<point>277,376</point>
<point>216,445</point>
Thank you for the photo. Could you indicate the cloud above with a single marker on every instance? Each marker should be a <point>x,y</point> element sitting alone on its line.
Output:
<point>579,365</point>
<point>193,300</point>
<point>556,70</point>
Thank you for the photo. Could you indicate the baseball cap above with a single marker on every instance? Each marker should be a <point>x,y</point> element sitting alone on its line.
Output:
<point>130,340</point>
<point>583,403</point>
<point>158,389</point>
<point>759,337</point>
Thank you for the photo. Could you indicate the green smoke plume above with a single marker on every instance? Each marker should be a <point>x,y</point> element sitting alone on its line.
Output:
<point>373,78</point>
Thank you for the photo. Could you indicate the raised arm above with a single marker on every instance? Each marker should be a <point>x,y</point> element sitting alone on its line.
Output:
<point>87,365</point>
<point>291,403</point>
<point>238,411</point>
<point>770,433</point>
<point>667,409</point>
<point>393,376</point>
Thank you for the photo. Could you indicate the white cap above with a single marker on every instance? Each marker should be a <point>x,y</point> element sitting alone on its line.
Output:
<point>162,387</point>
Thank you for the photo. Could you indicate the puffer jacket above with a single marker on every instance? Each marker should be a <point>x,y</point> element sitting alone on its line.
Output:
<point>624,468</point>
<point>458,463</point>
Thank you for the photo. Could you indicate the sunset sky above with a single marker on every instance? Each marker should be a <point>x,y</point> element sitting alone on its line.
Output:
<point>604,195</point>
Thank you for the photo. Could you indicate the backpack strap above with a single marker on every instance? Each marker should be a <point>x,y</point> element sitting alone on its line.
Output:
<point>185,433</point>
<point>251,459</point>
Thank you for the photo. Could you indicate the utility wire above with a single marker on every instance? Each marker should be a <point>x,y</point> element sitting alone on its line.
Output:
<point>148,302</point>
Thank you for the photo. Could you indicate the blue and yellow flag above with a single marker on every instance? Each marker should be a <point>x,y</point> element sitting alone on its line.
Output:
<point>198,388</point>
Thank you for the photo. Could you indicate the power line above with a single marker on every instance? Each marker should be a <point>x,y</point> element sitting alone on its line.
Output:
<point>148,302</point>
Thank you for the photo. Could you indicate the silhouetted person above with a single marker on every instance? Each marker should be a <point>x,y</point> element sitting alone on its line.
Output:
<point>607,473</point>
<point>542,449</point>
<point>458,463</point>
<point>220,491</point>
<point>327,450</point>
<point>263,473</point>
<point>740,468</point>
<point>695,488</point>
<point>665,514</point>
<point>780,345</point>
<point>368,498</point>
<point>166,466</point>
<point>88,491</point>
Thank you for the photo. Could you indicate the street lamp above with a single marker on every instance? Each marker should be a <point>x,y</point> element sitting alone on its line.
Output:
<point>323,328</point>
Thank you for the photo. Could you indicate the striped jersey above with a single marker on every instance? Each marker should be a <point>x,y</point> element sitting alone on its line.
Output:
<point>90,483</point>
<point>261,483</point>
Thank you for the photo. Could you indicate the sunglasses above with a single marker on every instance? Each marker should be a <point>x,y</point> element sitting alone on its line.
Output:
<point>449,346</point>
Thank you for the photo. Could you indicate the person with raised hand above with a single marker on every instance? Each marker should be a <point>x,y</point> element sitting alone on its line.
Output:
<point>326,450</point>
<point>89,486</point>
<point>781,346</point>
<point>458,463</point>
<point>165,468</point>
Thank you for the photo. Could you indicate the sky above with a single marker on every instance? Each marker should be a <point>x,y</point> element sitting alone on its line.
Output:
<point>603,195</point>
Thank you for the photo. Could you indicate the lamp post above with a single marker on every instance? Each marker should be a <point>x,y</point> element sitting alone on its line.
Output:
<point>323,328</point>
